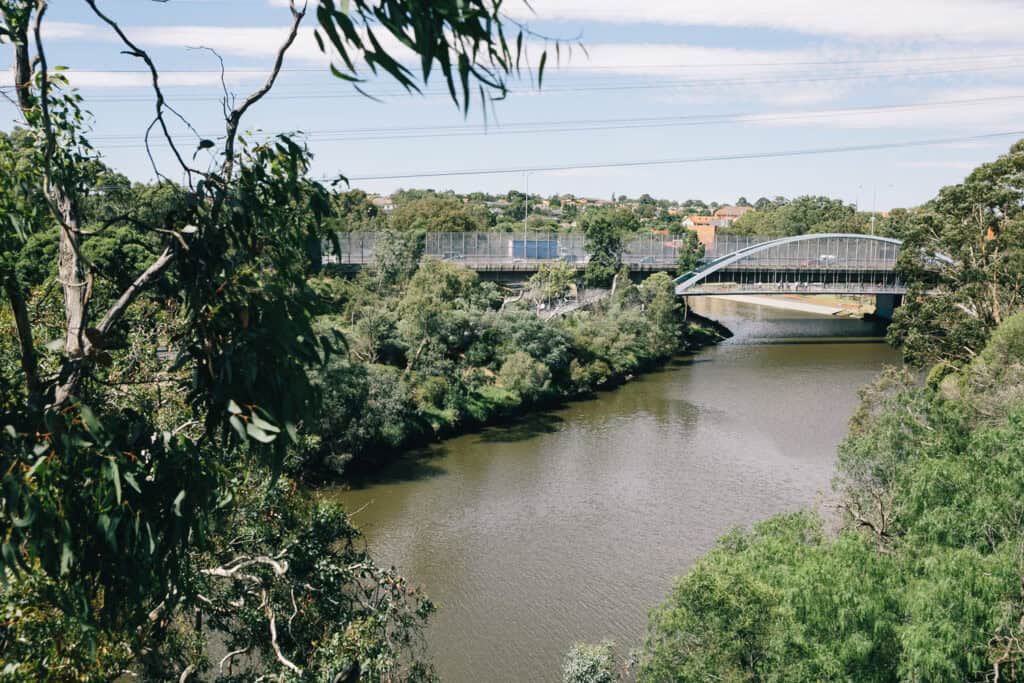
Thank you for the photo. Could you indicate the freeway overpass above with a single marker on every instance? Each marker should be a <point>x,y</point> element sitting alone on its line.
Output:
<point>803,264</point>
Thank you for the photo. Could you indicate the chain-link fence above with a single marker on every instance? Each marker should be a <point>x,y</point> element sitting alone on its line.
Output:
<point>489,249</point>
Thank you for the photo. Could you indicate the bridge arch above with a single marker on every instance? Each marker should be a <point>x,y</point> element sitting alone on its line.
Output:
<point>830,253</point>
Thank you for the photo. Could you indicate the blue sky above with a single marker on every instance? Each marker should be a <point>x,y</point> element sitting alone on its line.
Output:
<point>665,79</point>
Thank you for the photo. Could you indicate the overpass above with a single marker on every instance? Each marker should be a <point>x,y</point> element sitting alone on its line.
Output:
<point>802,264</point>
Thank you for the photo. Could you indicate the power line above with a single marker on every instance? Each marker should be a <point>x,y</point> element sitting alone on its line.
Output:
<point>620,86</point>
<point>581,125</point>
<point>687,160</point>
<point>602,67</point>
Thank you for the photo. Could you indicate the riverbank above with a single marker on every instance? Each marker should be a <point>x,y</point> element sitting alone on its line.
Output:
<point>496,410</point>
<point>804,304</point>
<point>439,356</point>
<point>570,523</point>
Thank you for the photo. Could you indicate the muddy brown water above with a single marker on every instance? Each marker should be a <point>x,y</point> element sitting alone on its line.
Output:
<point>571,525</point>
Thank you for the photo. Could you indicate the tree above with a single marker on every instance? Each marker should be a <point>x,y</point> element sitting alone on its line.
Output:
<point>529,379</point>
<point>922,579</point>
<point>691,251</point>
<point>798,217</point>
<point>396,256</point>
<point>950,309</point>
<point>553,281</point>
<point>586,663</point>
<point>122,471</point>
<point>605,231</point>
<point>439,213</point>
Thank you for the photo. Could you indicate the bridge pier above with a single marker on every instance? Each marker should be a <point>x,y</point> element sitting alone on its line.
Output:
<point>885,304</point>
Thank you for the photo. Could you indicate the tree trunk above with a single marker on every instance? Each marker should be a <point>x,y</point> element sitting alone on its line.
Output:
<point>29,360</point>
<point>75,285</point>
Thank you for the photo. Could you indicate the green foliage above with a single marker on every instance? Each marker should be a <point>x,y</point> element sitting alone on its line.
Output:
<point>605,232</point>
<point>439,213</point>
<point>436,355</point>
<point>464,39</point>
<point>691,251</point>
<point>950,310</point>
<point>922,579</point>
<point>800,216</point>
<point>587,663</point>
<point>527,378</point>
<point>553,281</point>
<point>396,257</point>
<point>143,506</point>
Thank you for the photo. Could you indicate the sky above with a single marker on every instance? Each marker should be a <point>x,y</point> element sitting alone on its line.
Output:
<point>878,102</point>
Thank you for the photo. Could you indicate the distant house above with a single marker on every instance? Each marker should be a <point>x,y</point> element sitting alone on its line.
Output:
<point>731,213</point>
<point>705,227</point>
<point>383,203</point>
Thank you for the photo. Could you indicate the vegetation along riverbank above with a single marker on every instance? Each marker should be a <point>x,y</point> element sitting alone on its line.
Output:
<point>434,351</point>
<point>922,578</point>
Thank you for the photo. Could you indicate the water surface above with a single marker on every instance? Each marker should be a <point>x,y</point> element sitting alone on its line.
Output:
<point>571,525</point>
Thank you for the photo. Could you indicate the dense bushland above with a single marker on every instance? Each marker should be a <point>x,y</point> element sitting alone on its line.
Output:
<point>442,351</point>
<point>919,574</point>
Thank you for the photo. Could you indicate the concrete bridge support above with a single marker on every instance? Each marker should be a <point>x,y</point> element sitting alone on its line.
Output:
<point>885,304</point>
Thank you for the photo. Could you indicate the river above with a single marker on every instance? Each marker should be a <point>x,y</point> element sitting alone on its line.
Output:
<point>572,524</point>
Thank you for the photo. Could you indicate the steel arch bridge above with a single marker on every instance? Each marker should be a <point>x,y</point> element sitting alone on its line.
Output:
<point>811,264</point>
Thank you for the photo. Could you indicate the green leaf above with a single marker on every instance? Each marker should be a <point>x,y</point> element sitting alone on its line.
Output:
<point>238,426</point>
<point>115,476</point>
<point>22,522</point>
<point>7,550</point>
<point>90,420</point>
<point>67,558</point>
<point>177,511</point>
<point>258,434</point>
<point>35,467</point>
<point>130,478</point>
<point>264,425</point>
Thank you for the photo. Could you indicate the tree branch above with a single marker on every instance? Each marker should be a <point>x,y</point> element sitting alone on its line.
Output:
<point>161,103</point>
<point>29,360</point>
<point>273,636</point>
<point>235,117</point>
<point>116,310</point>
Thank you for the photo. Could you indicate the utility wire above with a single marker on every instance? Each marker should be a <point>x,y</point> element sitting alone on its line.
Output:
<point>602,67</point>
<point>687,160</point>
<point>580,125</point>
<point>620,86</point>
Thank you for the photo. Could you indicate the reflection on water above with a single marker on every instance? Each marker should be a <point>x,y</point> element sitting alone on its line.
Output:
<point>570,525</point>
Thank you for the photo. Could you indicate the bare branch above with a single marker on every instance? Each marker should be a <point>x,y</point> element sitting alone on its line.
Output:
<point>231,655</point>
<point>235,117</point>
<point>161,103</point>
<point>232,568</point>
<point>228,102</point>
<point>273,636</point>
<point>116,310</point>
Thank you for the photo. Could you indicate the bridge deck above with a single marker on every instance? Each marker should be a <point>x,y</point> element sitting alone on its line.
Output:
<point>860,264</point>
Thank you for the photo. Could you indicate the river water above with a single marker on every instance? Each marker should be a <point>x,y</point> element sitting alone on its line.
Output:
<point>571,525</point>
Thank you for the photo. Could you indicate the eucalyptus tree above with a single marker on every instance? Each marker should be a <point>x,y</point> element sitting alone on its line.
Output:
<point>141,503</point>
<point>951,309</point>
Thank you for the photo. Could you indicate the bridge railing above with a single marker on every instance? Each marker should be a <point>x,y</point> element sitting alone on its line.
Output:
<point>360,248</point>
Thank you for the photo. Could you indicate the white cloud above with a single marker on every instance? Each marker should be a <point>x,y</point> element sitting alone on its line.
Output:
<point>946,20</point>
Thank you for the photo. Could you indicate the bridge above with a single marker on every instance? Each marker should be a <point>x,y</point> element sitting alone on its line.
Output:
<point>802,264</point>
